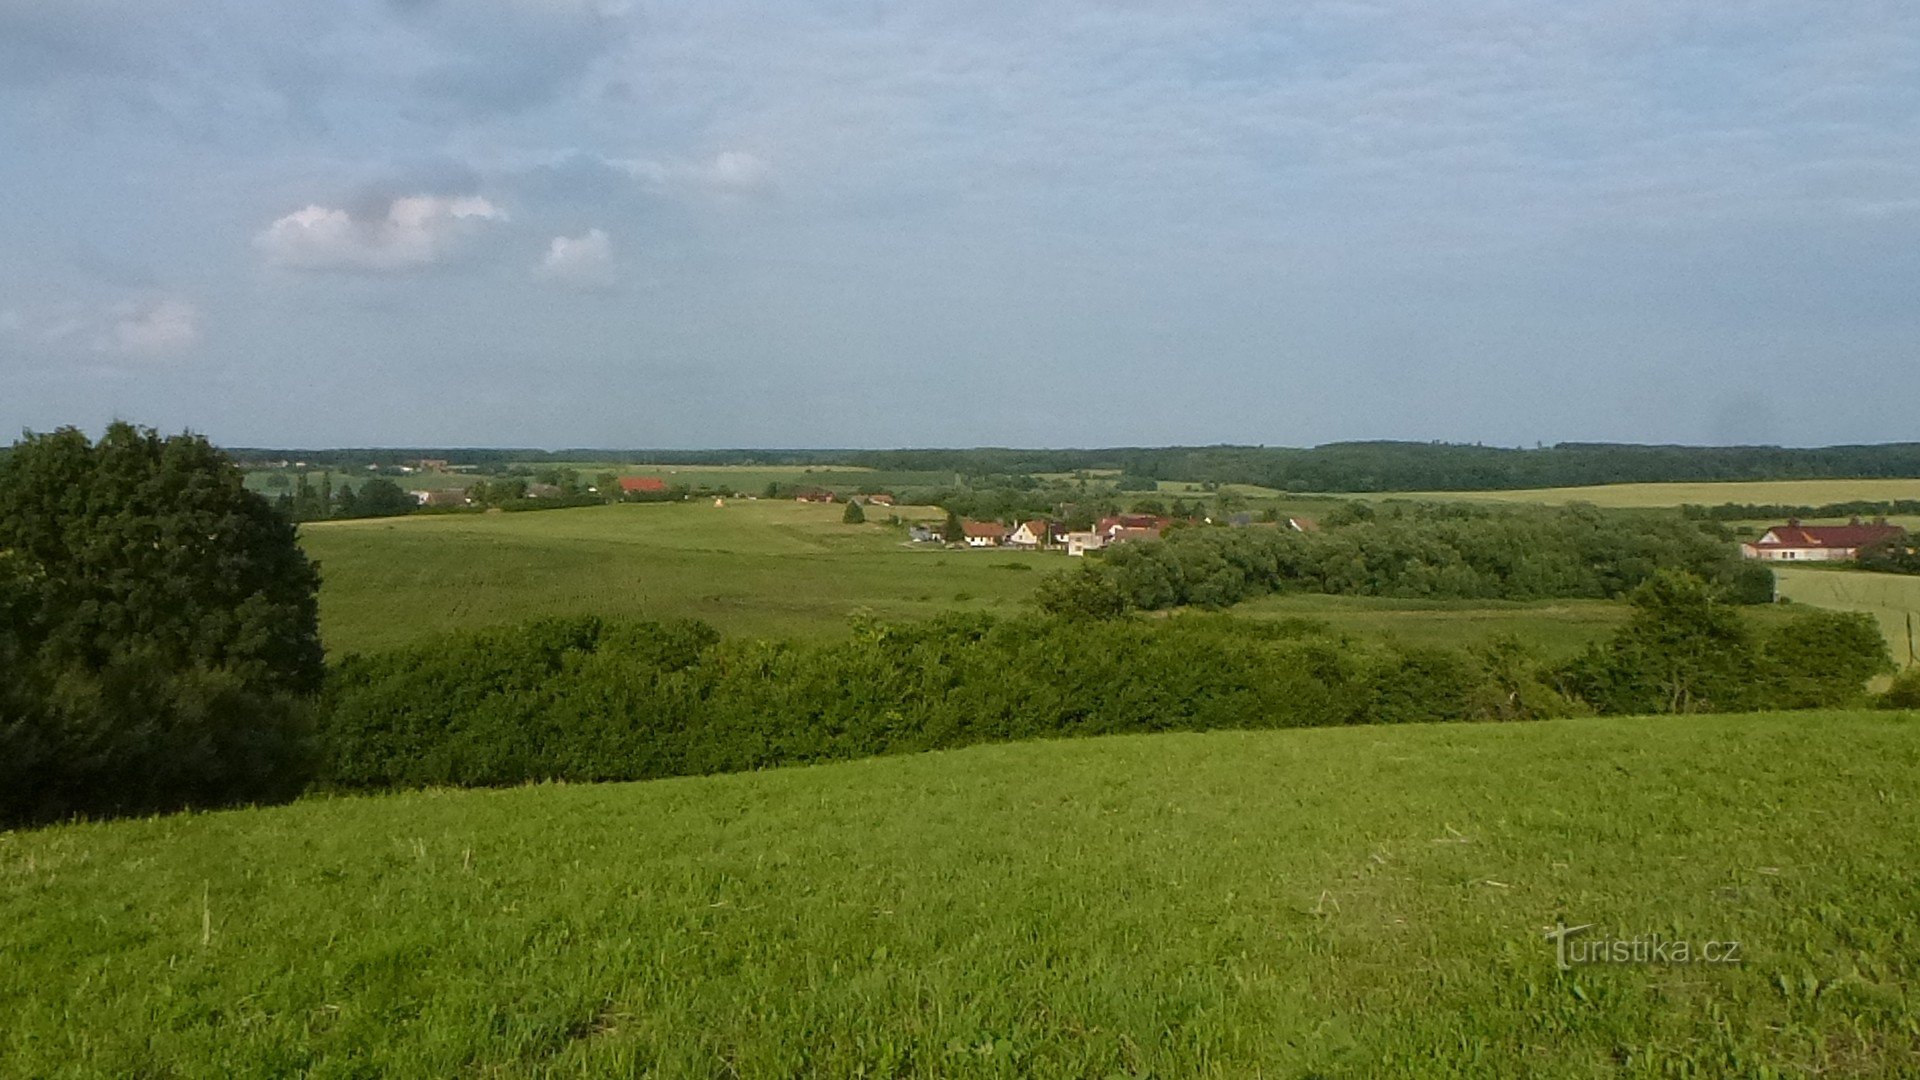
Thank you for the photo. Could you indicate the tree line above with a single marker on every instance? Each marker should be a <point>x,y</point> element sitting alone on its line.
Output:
<point>1379,466</point>
<point>1448,551</point>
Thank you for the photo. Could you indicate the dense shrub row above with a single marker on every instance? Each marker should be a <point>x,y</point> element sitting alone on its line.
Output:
<point>585,699</point>
<point>1437,551</point>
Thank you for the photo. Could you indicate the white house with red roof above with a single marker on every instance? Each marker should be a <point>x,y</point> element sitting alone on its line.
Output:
<point>1034,534</point>
<point>1794,542</point>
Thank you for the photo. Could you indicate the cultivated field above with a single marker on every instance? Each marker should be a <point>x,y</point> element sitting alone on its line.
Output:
<point>1893,599</point>
<point>1337,902</point>
<point>752,479</point>
<point>1769,492</point>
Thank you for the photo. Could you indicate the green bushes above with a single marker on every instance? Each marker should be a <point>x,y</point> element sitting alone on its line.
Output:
<point>1442,551</point>
<point>585,699</point>
<point>591,700</point>
<point>1685,651</point>
<point>157,630</point>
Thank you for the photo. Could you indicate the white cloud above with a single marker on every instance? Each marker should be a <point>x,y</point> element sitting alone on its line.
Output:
<point>737,170</point>
<point>414,231</point>
<point>158,328</point>
<point>151,329</point>
<point>586,259</point>
<point>732,171</point>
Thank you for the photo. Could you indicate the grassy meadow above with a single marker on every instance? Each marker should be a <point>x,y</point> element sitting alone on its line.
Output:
<point>768,568</point>
<point>1337,902</point>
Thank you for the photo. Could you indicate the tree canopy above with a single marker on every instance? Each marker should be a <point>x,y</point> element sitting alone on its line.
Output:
<point>161,627</point>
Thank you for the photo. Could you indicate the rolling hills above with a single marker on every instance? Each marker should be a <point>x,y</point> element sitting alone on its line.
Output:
<point>1339,902</point>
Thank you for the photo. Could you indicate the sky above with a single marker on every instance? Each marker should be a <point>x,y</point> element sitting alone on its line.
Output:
<point>616,223</point>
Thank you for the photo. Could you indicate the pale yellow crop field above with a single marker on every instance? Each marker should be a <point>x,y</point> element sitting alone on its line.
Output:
<point>1782,492</point>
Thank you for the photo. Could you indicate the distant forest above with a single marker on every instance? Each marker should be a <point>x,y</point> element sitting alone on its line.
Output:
<point>1346,467</point>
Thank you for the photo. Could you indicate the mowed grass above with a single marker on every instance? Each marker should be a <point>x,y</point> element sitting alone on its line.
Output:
<point>1355,902</point>
<point>1760,492</point>
<point>1892,599</point>
<point>767,568</point>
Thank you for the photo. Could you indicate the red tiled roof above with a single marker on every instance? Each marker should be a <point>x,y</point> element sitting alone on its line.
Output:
<point>1829,536</point>
<point>642,483</point>
<point>991,530</point>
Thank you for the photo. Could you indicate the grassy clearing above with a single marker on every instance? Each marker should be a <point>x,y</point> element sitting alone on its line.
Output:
<point>1770,492</point>
<point>1341,902</point>
<point>767,568</point>
<point>1557,628</point>
<point>1893,599</point>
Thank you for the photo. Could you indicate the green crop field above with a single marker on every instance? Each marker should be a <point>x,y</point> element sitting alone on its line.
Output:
<point>1893,599</point>
<point>772,568</point>
<point>1768,492</point>
<point>1339,902</point>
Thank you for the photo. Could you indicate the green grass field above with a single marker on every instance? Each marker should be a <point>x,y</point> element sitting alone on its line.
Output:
<point>769,568</point>
<point>1893,599</point>
<point>1556,628</point>
<point>1355,902</point>
<point>1770,492</point>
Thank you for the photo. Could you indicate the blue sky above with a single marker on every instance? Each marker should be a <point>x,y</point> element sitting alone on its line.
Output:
<point>619,223</point>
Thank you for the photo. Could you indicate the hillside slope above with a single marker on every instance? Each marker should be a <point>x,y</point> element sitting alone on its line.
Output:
<point>1340,902</point>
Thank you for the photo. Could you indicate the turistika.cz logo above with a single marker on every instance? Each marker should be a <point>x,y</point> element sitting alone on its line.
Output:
<point>1572,945</point>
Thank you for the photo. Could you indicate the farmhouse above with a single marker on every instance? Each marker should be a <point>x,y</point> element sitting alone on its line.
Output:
<point>813,495</point>
<point>642,485</point>
<point>984,533</point>
<point>1794,542</point>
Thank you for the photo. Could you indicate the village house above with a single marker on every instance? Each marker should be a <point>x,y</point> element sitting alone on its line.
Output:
<point>1079,543</point>
<point>1132,527</point>
<point>984,533</point>
<point>922,534</point>
<point>880,498</point>
<point>813,495</point>
<point>1794,542</point>
<point>1038,533</point>
<point>642,485</point>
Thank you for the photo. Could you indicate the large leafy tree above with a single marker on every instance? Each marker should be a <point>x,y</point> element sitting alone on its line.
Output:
<point>159,630</point>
